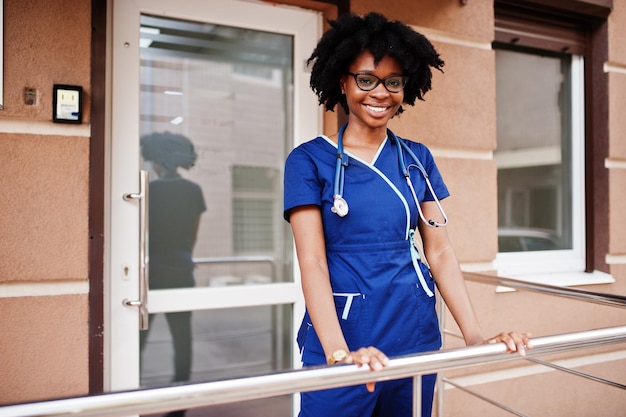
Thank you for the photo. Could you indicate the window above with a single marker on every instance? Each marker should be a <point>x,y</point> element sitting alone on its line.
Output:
<point>254,209</point>
<point>537,164</point>
<point>540,148</point>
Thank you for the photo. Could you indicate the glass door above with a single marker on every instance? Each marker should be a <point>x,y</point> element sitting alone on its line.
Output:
<point>208,98</point>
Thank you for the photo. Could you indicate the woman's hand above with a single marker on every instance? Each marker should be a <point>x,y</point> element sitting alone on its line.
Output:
<point>515,342</point>
<point>370,356</point>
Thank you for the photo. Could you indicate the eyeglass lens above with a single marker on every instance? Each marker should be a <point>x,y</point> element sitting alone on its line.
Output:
<point>368,82</point>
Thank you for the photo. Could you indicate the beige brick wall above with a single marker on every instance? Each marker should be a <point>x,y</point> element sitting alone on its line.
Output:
<point>44,45</point>
<point>44,221</point>
<point>617,32</point>
<point>617,208</point>
<point>474,19</point>
<point>44,347</point>
<point>44,209</point>
<point>617,133</point>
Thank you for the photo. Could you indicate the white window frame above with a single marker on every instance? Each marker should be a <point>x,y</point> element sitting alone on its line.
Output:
<point>562,267</point>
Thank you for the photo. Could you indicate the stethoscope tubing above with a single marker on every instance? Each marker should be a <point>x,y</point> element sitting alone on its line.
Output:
<point>405,170</point>
<point>340,169</point>
<point>340,206</point>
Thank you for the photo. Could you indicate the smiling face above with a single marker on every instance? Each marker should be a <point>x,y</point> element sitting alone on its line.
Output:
<point>376,107</point>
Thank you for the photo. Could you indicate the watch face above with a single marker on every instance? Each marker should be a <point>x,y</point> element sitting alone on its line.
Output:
<point>339,355</point>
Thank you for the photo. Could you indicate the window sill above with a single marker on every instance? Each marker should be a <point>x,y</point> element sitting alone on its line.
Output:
<point>561,279</point>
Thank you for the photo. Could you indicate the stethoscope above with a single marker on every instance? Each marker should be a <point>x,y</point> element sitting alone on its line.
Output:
<point>340,206</point>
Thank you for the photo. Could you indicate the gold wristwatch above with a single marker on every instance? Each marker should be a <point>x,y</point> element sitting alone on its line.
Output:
<point>337,356</point>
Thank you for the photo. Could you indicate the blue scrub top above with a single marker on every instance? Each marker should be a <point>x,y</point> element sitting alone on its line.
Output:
<point>378,297</point>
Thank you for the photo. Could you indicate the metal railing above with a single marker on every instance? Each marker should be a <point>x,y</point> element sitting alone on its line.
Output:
<point>612,300</point>
<point>310,379</point>
<point>284,383</point>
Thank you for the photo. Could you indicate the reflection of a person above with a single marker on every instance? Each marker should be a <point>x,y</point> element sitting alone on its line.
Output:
<point>175,206</point>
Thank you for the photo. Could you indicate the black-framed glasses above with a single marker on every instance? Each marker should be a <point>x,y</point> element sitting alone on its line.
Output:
<point>368,82</point>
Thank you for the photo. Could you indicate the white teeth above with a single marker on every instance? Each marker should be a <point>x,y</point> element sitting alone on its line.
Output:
<point>377,109</point>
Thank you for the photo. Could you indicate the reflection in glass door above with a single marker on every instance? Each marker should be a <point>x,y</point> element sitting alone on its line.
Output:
<point>215,111</point>
<point>219,94</point>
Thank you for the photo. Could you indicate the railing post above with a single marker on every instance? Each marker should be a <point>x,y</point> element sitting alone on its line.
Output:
<point>441,307</point>
<point>417,396</point>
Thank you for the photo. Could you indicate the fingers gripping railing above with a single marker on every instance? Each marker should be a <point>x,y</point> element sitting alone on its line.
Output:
<point>212,393</point>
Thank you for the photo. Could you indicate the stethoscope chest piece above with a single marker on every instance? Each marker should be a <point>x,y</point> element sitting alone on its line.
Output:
<point>340,206</point>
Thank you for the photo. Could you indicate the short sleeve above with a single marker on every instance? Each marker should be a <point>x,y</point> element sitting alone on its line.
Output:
<point>301,183</point>
<point>200,204</point>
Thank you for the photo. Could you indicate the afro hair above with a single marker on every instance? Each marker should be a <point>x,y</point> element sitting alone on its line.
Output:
<point>168,149</point>
<point>350,35</point>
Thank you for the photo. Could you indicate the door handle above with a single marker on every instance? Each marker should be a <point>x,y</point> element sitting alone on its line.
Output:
<point>142,302</point>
